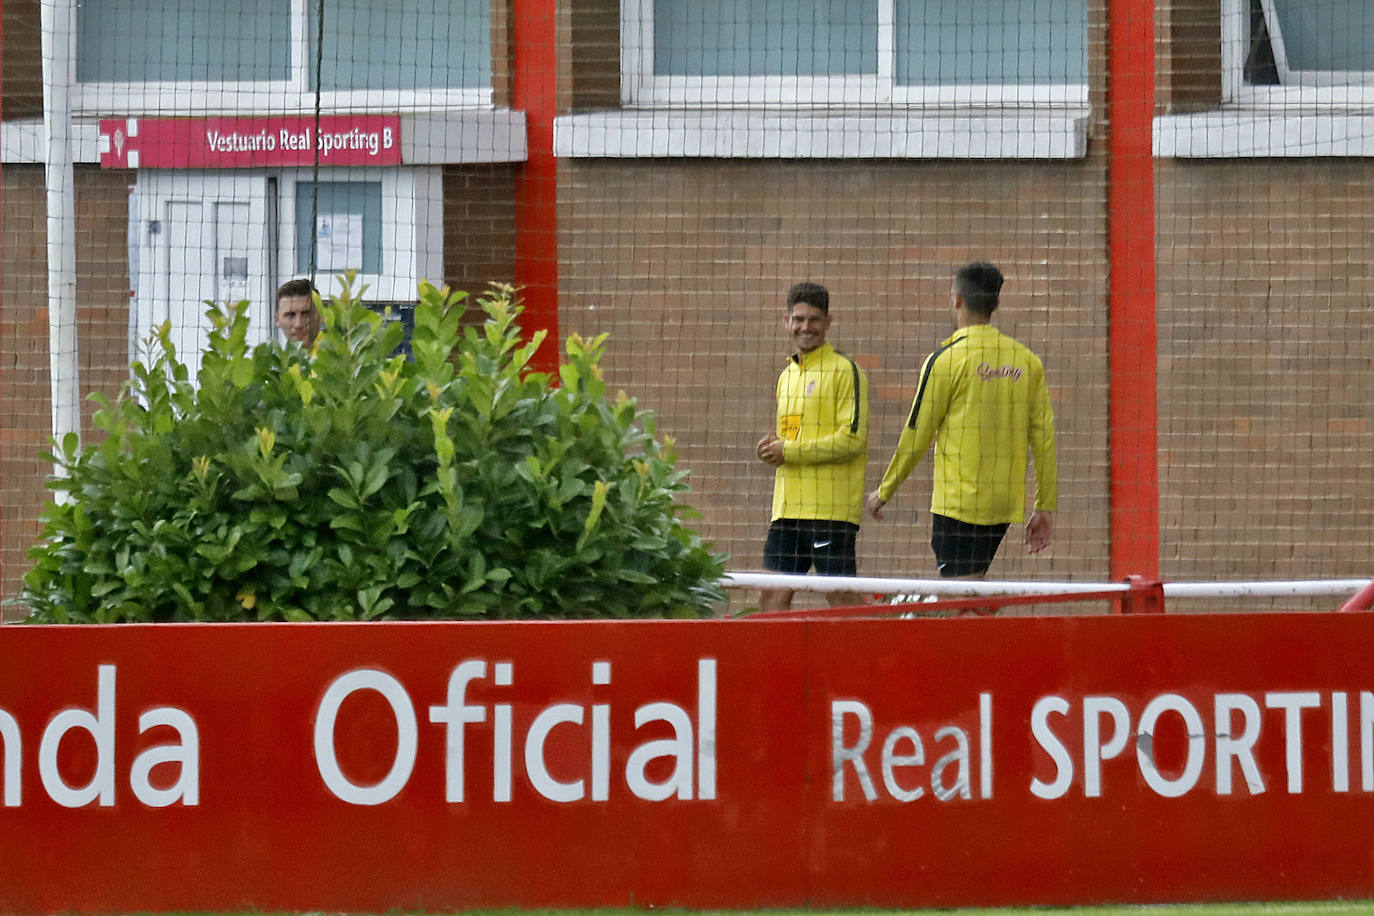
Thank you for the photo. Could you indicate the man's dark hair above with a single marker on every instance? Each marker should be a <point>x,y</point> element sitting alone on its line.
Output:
<point>812,294</point>
<point>292,289</point>
<point>979,284</point>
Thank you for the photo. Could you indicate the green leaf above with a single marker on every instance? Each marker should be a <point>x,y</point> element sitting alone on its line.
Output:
<point>634,575</point>
<point>343,498</point>
<point>599,492</point>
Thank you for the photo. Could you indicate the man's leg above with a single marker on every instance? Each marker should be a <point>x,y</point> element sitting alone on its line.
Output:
<point>986,611</point>
<point>775,599</point>
<point>965,551</point>
<point>835,553</point>
<point>782,554</point>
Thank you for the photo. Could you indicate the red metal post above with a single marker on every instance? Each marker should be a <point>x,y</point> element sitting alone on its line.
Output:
<point>1134,415</point>
<point>1145,597</point>
<point>533,85</point>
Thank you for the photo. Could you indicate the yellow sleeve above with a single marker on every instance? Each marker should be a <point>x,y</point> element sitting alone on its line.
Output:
<point>928,411</point>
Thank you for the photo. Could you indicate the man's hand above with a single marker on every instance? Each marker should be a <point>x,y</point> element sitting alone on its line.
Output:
<point>769,450</point>
<point>875,504</point>
<point>1039,531</point>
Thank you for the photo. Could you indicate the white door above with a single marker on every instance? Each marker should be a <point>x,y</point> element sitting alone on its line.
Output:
<point>203,236</point>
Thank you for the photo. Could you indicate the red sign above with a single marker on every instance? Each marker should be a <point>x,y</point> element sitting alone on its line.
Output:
<point>233,143</point>
<point>742,764</point>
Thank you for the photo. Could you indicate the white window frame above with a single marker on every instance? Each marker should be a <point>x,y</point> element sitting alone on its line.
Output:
<point>641,87</point>
<point>1319,88</point>
<point>412,227</point>
<point>290,96</point>
<point>1308,117</point>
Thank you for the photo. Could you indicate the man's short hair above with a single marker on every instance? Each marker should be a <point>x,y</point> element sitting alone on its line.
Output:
<point>293,289</point>
<point>812,294</point>
<point>979,284</point>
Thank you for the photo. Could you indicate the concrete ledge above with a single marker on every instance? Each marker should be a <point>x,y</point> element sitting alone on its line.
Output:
<point>23,142</point>
<point>843,134</point>
<point>476,135</point>
<point>1258,134</point>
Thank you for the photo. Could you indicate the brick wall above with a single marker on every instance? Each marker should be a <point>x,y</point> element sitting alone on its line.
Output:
<point>686,264</point>
<point>1266,447</point>
<point>1187,55</point>
<point>102,313</point>
<point>589,60</point>
<point>501,52</point>
<point>1266,433</point>
<point>479,225</point>
<point>1265,335</point>
<point>21,66</point>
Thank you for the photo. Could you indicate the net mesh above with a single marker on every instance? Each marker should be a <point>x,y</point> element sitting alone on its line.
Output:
<point>1190,272</point>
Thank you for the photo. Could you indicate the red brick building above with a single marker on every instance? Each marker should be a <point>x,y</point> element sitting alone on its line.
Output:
<point>664,171</point>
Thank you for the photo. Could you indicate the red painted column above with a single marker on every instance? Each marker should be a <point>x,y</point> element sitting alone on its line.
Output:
<point>1134,413</point>
<point>533,85</point>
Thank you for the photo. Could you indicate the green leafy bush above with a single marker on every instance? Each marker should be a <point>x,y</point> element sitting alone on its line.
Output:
<point>348,483</point>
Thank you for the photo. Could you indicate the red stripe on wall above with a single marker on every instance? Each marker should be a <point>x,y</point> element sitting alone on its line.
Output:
<point>536,188</point>
<point>1134,413</point>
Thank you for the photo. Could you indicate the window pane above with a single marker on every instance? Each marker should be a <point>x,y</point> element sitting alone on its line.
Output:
<point>348,226</point>
<point>954,42</point>
<point>765,37</point>
<point>402,44</point>
<point>1327,34</point>
<point>182,40</point>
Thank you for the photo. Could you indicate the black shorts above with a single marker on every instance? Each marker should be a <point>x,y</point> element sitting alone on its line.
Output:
<point>962,549</point>
<point>794,545</point>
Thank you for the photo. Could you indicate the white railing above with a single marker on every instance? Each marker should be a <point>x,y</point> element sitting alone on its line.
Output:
<point>971,588</point>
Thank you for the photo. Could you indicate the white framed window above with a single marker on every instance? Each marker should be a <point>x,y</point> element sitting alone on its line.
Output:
<point>147,57</point>
<point>1297,82</point>
<point>943,53</point>
<point>387,224</point>
<point>1298,52</point>
<point>226,235</point>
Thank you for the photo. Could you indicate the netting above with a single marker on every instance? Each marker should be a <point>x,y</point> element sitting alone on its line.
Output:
<point>1176,193</point>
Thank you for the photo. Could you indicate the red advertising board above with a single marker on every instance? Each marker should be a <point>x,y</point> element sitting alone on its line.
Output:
<point>249,142</point>
<point>371,767</point>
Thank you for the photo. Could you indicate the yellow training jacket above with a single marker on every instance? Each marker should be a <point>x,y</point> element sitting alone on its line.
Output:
<point>823,421</point>
<point>982,398</point>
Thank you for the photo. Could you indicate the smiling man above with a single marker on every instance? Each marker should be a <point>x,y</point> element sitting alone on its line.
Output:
<point>297,316</point>
<point>819,448</point>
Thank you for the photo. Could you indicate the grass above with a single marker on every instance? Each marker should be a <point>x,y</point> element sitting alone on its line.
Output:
<point>1322,908</point>
<point>1318,908</point>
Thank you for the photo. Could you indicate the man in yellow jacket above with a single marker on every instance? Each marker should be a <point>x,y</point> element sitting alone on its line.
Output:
<point>983,400</point>
<point>819,448</point>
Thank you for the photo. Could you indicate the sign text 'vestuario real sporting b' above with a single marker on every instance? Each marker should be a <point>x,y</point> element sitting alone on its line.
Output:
<point>713,763</point>
<point>250,142</point>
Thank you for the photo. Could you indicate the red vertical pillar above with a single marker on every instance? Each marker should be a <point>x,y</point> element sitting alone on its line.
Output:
<point>533,84</point>
<point>3,374</point>
<point>1134,412</point>
<point>2,52</point>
